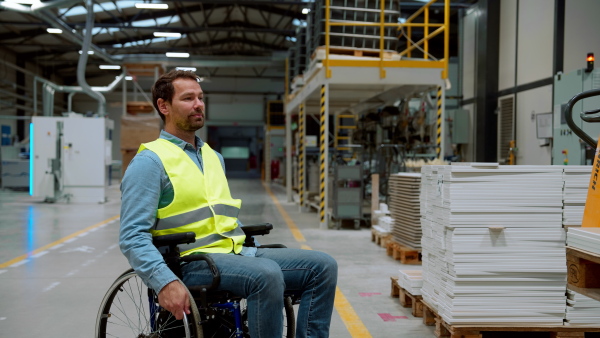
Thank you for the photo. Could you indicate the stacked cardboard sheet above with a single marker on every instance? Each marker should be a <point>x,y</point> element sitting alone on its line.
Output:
<point>404,190</point>
<point>582,310</point>
<point>493,244</point>
<point>411,281</point>
<point>577,179</point>
<point>587,239</point>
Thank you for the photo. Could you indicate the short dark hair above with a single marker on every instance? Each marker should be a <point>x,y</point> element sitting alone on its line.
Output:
<point>163,87</point>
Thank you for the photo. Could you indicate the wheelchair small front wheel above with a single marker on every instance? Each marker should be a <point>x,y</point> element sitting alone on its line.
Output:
<point>130,309</point>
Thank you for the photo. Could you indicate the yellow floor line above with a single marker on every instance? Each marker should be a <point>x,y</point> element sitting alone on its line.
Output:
<point>62,240</point>
<point>353,323</point>
<point>293,228</point>
<point>355,326</point>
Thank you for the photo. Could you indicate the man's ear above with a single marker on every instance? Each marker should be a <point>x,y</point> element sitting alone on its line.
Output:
<point>162,106</point>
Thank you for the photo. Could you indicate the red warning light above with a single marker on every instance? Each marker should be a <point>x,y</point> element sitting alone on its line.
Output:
<point>590,62</point>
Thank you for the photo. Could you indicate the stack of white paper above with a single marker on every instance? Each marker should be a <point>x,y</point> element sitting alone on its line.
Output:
<point>411,281</point>
<point>386,223</point>
<point>404,205</point>
<point>582,310</point>
<point>383,211</point>
<point>493,244</point>
<point>577,179</point>
<point>587,239</point>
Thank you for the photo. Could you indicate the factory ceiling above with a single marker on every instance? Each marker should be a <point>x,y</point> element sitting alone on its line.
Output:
<point>254,34</point>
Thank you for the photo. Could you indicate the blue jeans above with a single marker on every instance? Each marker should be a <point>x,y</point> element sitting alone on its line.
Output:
<point>262,281</point>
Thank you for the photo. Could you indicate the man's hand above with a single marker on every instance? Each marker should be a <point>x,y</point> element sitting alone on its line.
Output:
<point>175,299</point>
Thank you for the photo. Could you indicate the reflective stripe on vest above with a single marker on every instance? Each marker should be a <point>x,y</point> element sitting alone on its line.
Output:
<point>209,212</point>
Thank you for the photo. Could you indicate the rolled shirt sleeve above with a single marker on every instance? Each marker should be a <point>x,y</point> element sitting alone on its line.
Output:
<point>140,193</point>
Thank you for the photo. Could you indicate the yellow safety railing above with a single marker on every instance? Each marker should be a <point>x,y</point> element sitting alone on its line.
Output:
<point>422,44</point>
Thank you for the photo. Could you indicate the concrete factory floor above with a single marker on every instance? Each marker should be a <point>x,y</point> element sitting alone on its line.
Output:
<point>58,260</point>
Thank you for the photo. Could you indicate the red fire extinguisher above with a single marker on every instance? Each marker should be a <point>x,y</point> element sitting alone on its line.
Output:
<point>274,169</point>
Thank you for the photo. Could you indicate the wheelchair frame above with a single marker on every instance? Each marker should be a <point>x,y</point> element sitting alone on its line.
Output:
<point>214,313</point>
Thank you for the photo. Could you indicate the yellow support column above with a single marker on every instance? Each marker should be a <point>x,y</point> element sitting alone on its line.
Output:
<point>301,156</point>
<point>438,139</point>
<point>323,159</point>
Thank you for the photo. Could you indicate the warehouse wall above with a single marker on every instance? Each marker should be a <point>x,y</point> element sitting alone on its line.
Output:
<point>581,33</point>
<point>224,107</point>
<point>468,75</point>
<point>526,56</point>
<point>526,60</point>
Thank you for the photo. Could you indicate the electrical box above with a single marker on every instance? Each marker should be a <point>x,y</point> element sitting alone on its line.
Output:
<point>459,126</point>
<point>70,157</point>
<point>567,148</point>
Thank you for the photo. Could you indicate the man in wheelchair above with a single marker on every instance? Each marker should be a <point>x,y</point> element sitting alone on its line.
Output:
<point>177,184</point>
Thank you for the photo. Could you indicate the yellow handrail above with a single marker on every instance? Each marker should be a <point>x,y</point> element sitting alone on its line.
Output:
<point>381,39</point>
<point>418,12</point>
<point>386,24</point>
<point>425,39</point>
<point>410,45</point>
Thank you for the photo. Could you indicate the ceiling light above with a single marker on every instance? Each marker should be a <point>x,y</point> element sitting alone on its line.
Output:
<point>54,30</point>
<point>143,5</point>
<point>22,2</point>
<point>178,55</point>
<point>128,78</point>
<point>305,10</point>
<point>167,35</point>
<point>90,52</point>
<point>109,67</point>
<point>190,69</point>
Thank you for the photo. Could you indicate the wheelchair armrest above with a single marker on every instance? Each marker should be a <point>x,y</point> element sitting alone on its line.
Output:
<point>213,269</point>
<point>257,229</point>
<point>174,239</point>
<point>272,246</point>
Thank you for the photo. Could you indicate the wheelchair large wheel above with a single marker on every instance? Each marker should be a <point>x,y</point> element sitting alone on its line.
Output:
<point>130,309</point>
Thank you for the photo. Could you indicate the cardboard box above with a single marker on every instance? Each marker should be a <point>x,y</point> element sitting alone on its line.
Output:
<point>135,130</point>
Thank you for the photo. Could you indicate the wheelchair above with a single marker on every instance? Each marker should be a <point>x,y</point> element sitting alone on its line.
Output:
<point>130,309</point>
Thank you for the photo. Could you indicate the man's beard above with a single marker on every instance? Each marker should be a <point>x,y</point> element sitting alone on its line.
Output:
<point>186,125</point>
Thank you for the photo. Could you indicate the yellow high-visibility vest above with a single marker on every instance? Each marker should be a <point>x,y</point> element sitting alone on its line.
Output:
<point>201,204</point>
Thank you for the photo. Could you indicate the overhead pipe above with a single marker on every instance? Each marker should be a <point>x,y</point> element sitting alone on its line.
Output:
<point>89,24</point>
<point>41,11</point>
<point>72,90</point>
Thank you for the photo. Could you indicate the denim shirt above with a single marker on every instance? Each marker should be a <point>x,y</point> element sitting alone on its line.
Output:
<point>146,187</point>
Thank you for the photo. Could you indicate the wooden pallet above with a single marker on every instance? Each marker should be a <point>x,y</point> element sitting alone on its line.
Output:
<point>380,238</point>
<point>403,253</point>
<point>319,53</point>
<point>406,299</point>
<point>584,272</point>
<point>443,329</point>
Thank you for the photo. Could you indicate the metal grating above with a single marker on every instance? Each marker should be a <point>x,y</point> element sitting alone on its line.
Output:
<point>596,79</point>
<point>506,123</point>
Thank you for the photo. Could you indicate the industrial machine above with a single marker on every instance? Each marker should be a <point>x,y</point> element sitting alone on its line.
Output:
<point>70,158</point>
<point>567,146</point>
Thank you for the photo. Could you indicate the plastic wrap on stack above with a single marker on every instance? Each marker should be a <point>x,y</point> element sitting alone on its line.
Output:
<point>355,37</point>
